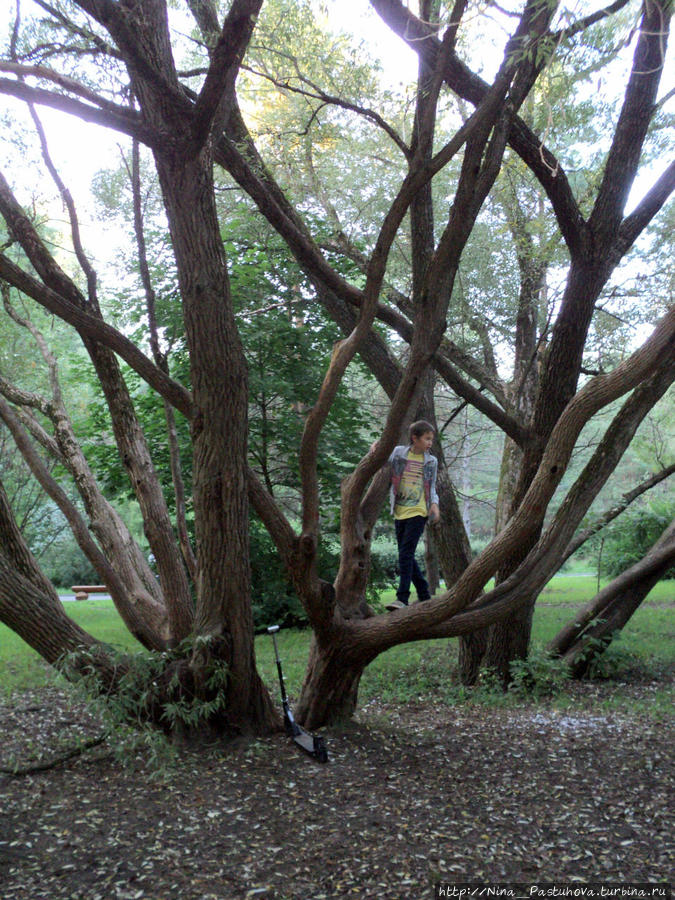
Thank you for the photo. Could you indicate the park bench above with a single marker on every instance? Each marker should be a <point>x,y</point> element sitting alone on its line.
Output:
<point>82,591</point>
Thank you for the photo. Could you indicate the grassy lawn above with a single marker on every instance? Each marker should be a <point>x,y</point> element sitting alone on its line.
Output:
<point>423,669</point>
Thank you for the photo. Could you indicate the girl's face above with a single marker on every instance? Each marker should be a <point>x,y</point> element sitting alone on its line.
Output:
<point>422,444</point>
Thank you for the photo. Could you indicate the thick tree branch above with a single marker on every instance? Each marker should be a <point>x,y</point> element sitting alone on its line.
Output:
<point>649,206</point>
<point>118,118</point>
<point>156,74</point>
<point>460,79</point>
<point>634,119</point>
<point>217,93</point>
<point>70,85</point>
<point>162,364</point>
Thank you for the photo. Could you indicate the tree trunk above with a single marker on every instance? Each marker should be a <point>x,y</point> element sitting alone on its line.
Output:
<point>431,564</point>
<point>219,377</point>
<point>329,692</point>
<point>29,605</point>
<point>144,616</point>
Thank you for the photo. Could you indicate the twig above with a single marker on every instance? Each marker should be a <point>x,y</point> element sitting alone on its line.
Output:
<point>52,763</point>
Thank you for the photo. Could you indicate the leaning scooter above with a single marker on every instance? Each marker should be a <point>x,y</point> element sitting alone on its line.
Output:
<point>310,743</point>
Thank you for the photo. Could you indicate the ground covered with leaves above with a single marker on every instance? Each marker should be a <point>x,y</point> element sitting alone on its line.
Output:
<point>413,794</point>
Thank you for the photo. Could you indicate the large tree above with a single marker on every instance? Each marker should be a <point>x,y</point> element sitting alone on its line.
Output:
<point>191,121</point>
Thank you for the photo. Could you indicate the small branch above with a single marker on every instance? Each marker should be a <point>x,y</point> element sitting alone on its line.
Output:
<point>20,771</point>
<point>330,100</point>
<point>277,525</point>
<point>587,21</point>
<point>72,28</point>
<point>68,202</point>
<point>615,511</point>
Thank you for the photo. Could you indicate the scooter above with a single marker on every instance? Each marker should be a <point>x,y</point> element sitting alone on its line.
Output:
<point>312,744</point>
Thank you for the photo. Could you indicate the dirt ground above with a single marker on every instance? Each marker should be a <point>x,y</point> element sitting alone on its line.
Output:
<point>411,795</point>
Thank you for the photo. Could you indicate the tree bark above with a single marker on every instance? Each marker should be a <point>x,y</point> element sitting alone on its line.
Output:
<point>329,692</point>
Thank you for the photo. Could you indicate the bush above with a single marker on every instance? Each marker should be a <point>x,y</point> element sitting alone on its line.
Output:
<point>540,675</point>
<point>628,540</point>
<point>274,600</point>
<point>384,562</point>
<point>65,564</point>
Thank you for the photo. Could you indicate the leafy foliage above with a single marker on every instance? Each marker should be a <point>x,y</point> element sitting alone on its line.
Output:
<point>156,694</point>
<point>626,541</point>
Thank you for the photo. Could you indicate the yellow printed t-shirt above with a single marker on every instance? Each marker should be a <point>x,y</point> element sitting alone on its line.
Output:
<point>410,500</point>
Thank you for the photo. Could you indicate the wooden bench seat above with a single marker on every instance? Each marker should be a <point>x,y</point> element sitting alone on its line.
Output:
<point>82,591</point>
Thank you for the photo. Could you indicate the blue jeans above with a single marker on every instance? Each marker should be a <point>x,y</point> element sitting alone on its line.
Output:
<point>408,533</point>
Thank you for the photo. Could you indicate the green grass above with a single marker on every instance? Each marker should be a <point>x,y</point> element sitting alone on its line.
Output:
<point>23,668</point>
<point>420,670</point>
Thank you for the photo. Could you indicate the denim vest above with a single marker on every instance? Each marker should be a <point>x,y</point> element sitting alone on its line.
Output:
<point>397,461</point>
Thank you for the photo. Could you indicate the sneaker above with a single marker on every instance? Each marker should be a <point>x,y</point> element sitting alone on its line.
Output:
<point>396,604</point>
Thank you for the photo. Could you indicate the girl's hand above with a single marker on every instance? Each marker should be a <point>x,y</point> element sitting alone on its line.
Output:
<point>434,513</point>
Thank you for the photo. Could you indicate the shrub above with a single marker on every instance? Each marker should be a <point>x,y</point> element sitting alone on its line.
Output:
<point>627,541</point>
<point>540,675</point>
